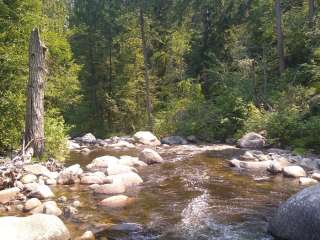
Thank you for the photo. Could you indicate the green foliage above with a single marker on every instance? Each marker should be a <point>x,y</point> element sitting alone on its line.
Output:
<point>290,123</point>
<point>55,135</point>
<point>212,66</point>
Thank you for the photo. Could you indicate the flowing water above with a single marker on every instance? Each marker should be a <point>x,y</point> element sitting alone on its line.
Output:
<point>198,198</point>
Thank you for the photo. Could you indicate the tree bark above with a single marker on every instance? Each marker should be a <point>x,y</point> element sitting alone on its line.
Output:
<point>279,33</point>
<point>146,74</point>
<point>311,8</point>
<point>34,122</point>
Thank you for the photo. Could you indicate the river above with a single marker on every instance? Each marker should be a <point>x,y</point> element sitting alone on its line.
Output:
<point>196,198</point>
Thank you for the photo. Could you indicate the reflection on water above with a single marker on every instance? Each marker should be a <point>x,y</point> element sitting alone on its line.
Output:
<point>199,198</point>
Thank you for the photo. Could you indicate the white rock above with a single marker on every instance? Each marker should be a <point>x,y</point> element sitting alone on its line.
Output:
<point>29,178</point>
<point>36,169</point>
<point>51,208</point>
<point>39,191</point>
<point>88,235</point>
<point>294,171</point>
<point>118,201</point>
<point>70,175</point>
<point>146,138</point>
<point>103,162</point>
<point>307,181</point>
<point>252,140</point>
<point>131,161</point>
<point>150,156</point>
<point>118,169</point>
<point>9,194</point>
<point>129,179</point>
<point>35,227</point>
<point>31,204</point>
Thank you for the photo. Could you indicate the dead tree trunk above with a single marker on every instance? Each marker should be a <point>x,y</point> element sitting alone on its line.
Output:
<point>34,122</point>
<point>146,74</point>
<point>311,10</point>
<point>280,48</point>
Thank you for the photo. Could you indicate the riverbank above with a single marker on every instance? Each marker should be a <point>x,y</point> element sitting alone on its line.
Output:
<point>96,179</point>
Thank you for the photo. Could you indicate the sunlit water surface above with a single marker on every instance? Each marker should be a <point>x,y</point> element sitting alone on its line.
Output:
<point>198,198</point>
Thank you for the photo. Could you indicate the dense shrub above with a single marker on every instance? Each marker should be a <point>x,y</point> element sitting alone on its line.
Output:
<point>55,135</point>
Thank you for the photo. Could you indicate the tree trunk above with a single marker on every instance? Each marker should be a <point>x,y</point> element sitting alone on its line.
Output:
<point>34,122</point>
<point>146,74</point>
<point>311,8</point>
<point>279,33</point>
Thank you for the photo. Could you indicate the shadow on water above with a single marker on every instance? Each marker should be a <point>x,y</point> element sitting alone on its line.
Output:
<point>199,198</point>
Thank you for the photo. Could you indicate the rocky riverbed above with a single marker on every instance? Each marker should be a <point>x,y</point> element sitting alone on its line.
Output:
<point>103,179</point>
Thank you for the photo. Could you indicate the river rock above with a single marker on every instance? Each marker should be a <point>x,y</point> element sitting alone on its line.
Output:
<point>150,156</point>
<point>51,208</point>
<point>50,181</point>
<point>129,179</point>
<point>118,169</point>
<point>174,140</point>
<point>70,175</point>
<point>9,194</point>
<point>72,145</point>
<point>62,199</point>
<point>259,166</point>
<point>87,138</point>
<point>234,163</point>
<point>316,176</point>
<point>93,178</point>
<point>36,169</point>
<point>69,211</point>
<point>275,167</point>
<point>307,181</point>
<point>115,188</point>
<point>31,204</point>
<point>29,178</point>
<point>252,140</point>
<point>39,191</point>
<point>298,218</point>
<point>294,171</point>
<point>122,144</point>
<point>131,161</point>
<point>88,235</point>
<point>118,201</point>
<point>102,162</point>
<point>35,227</point>
<point>146,138</point>
<point>76,203</point>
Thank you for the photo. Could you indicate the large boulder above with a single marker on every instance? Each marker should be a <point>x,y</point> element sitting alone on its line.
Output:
<point>146,138</point>
<point>35,227</point>
<point>294,171</point>
<point>299,217</point>
<point>150,156</point>
<point>252,140</point>
<point>174,140</point>
<point>9,194</point>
